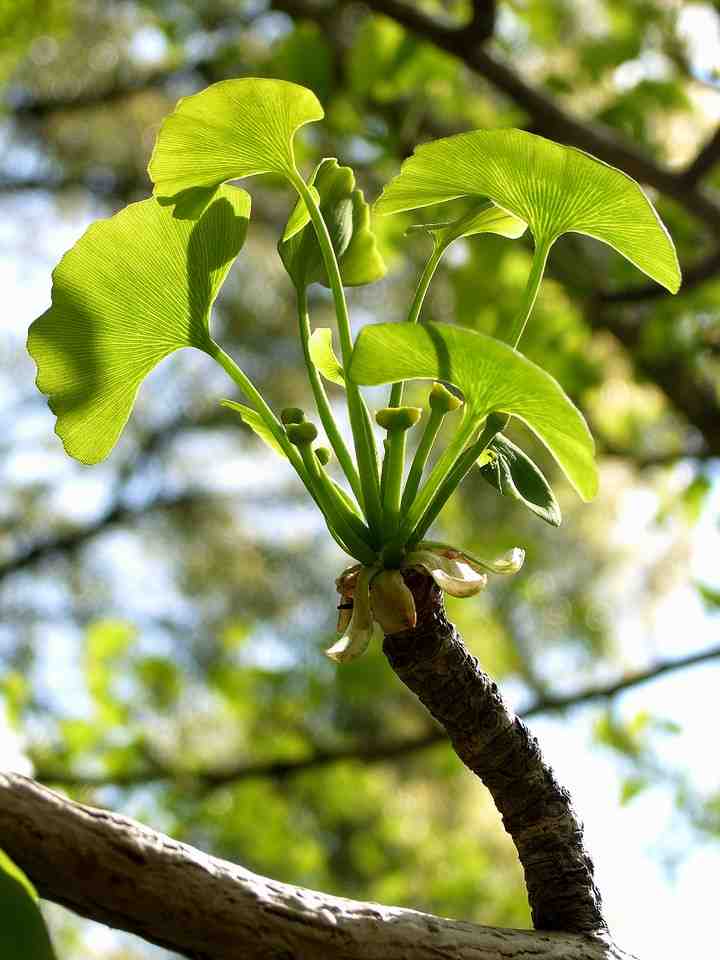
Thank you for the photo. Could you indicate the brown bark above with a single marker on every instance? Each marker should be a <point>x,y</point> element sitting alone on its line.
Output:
<point>497,746</point>
<point>112,869</point>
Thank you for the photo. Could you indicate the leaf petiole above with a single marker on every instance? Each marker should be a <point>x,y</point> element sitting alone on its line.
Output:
<point>432,428</point>
<point>254,396</point>
<point>338,515</point>
<point>321,400</point>
<point>494,424</point>
<point>359,417</point>
<point>396,392</point>
<point>396,421</point>
<point>440,471</point>
<point>537,269</point>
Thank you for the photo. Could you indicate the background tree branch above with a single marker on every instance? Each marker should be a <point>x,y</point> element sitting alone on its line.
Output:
<point>367,753</point>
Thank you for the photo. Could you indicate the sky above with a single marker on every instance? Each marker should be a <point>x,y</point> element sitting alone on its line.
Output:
<point>628,842</point>
<point>658,878</point>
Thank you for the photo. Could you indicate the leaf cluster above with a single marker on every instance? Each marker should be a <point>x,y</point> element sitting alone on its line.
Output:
<point>142,284</point>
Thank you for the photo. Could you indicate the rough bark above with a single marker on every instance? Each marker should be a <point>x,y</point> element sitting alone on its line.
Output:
<point>112,869</point>
<point>537,812</point>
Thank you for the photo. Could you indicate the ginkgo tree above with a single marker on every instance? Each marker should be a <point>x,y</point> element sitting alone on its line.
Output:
<point>140,285</point>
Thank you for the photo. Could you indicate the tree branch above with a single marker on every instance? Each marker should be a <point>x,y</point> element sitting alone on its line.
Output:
<point>692,276</point>
<point>544,111</point>
<point>367,753</point>
<point>432,661</point>
<point>114,870</point>
<point>705,160</point>
<point>69,543</point>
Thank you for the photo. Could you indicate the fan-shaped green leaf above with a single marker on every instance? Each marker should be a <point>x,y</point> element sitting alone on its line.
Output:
<point>492,377</point>
<point>482,217</point>
<point>347,216</point>
<point>256,423</point>
<point>232,129</point>
<point>23,933</point>
<point>133,289</point>
<point>556,189</point>
<point>324,357</point>
<point>513,474</point>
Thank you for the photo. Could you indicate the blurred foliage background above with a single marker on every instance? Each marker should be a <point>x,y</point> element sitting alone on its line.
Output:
<point>163,614</point>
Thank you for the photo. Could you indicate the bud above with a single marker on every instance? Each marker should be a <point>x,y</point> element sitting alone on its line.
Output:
<point>292,415</point>
<point>442,400</point>
<point>323,455</point>
<point>398,418</point>
<point>302,434</point>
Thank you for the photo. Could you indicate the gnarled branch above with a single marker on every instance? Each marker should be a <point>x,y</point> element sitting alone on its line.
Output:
<point>112,869</point>
<point>537,812</point>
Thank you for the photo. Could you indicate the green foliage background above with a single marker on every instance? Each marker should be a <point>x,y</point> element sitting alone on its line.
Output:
<point>163,615</point>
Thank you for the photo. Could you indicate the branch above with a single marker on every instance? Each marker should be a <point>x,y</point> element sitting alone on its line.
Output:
<point>114,870</point>
<point>367,753</point>
<point>69,543</point>
<point>484,17</point>
<point>118,512</point>
<point>543,110</point>
<point>114,185</point>
<point>37,108</point>
<point>692,276</point>
<point>705,160</point>
<point>695,399</point>
<point>432,661</point>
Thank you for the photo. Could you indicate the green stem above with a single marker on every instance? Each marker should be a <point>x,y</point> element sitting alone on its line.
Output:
<point>438,474</point>
<point>542,248</point>
<point>359,417</point>
<point>273,424</point>
<point>255,398</point>
<point>348,526</point>
<point>422,453</point>
<point>393,470</point>
<point>322,403</point>
<point>495,423</point>
<point>397,390</point>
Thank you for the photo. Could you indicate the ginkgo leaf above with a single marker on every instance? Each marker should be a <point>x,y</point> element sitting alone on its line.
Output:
<point>230,130</point>
<point>23,933</point>
<point>492,376</point>
<point>324,357</point>
<point>133,289</point>
<point>556,189</point>
<point>347,216</point>
<point>482,217</point>
<point>513,474</point>
<point>256,423</point>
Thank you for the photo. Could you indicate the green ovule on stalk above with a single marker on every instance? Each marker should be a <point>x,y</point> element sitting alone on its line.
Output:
<point>142,283</point>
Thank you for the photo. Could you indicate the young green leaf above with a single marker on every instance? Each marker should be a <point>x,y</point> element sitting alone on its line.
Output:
<point>230,130</point>
<point>347,216</point>
<point>133,289</point>
<point>324,357</point>
<point>23,933</point>
<point>482,217</point>
<point>513,474</point>
<point>256,423</point>
<point>556,189</point>
<point>492,376</point>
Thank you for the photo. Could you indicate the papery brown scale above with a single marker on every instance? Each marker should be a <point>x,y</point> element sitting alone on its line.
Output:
<point>392,603</point>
